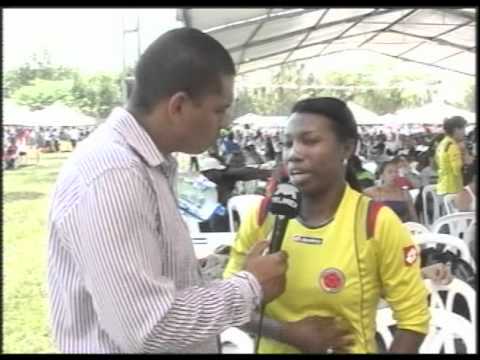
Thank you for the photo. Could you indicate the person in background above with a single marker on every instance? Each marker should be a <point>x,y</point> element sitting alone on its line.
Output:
<point>388,193</point>
<point>74,136</point>
<point>426,169</point>
<point>466,199</point>
<point>448,157</point>
<point>334,274</point>
<point>406,178</point>
<point>11,155</point>
<point>269,149</point>
<point>230,146</point>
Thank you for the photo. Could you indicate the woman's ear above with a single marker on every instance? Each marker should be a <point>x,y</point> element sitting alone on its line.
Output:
<point>349,149</point>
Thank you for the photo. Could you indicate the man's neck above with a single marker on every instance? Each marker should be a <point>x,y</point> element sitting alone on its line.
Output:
<point>158,131</point>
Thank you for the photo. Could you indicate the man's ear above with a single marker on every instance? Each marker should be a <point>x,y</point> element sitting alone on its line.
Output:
<point>176,105</point>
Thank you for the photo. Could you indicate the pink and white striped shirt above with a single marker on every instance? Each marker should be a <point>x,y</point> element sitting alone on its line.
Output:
<point>122,272</point>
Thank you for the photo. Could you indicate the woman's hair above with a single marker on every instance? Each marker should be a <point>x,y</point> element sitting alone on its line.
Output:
<point>381,168</point>
<point>355,163</point>
<point>342,121</point>
<point>455,122</point>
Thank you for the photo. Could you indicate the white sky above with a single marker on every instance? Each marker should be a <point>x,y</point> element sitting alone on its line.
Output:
<point>91,40</point>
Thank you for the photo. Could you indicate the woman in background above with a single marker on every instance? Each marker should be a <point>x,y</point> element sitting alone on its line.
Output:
<point>399,200</point>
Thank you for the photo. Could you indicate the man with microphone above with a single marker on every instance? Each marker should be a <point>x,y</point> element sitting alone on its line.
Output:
<point>122,272</point>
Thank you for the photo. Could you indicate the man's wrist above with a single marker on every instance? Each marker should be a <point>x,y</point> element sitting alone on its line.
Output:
<point>254,286</point>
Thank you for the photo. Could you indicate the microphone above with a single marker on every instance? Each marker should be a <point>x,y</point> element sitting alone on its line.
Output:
<point>285,205</point>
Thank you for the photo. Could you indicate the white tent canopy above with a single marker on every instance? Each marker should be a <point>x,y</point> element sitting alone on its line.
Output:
<point>17,115</point>
<point>364,116</point>
<point>58,115</point>
<point>261,122</point>
<point>432,114</point>
<point>258,38</point>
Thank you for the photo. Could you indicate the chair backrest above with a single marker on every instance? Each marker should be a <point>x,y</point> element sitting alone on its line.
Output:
<point>414,193</point>
<point>430,214</point>
<point>416,228</point>
<point>450,242</point>
<point>452,292</point>
<point>241,204</point>
<point>454,224</point>
<point>445,328</point>
<point>236,341</point>
<point>449,204</point>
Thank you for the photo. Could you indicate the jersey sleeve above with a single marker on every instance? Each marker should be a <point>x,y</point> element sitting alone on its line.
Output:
<point>399,269</point>
<point>248,233</point>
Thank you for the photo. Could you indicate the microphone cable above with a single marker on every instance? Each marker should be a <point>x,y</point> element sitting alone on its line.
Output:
<point>259,330</point>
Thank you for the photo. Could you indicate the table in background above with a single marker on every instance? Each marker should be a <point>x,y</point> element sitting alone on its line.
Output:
<point>206,243</point>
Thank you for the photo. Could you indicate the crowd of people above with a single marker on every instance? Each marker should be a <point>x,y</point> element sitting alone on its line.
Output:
<point>387,165</point>
<point>18,141</point>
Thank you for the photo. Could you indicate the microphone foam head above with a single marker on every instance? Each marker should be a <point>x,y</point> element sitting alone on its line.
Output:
<point>285,201</point>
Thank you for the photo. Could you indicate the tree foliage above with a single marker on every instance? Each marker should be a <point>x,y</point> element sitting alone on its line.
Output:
<point>38,83</point>
<point>292,83</point>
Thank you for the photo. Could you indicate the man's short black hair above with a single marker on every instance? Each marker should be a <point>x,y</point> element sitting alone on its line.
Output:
<point>180,60</point>
<point>452,123</point>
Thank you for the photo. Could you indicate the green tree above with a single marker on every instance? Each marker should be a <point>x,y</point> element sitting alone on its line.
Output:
<point>42,93</point>
<point>291,83</point>
<point>39,66</point>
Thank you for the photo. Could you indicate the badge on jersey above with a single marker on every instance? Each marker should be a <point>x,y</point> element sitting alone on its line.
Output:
<point>332,280</point>
<point>308,239</point>
<point>410,255</point>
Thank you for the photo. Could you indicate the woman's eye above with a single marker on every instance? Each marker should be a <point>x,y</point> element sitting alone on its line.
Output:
<point>310,140</point>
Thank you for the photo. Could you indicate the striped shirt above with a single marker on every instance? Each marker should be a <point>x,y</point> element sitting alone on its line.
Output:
<point>122,272</point>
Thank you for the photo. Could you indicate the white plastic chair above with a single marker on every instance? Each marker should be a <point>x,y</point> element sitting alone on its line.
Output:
<point>449,204</point>
<point>414,193</point>
<point>416,228</point>
<point>450,242</point>
<point>236,341</point>
<point>456,288</point>
<point>445,327</point>
<point>429,191</point>
<point>241,204</point>
<point>454,224</point>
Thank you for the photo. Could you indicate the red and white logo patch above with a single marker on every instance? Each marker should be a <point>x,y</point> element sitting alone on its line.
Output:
<point>332,280</point>
<point>410,255</point>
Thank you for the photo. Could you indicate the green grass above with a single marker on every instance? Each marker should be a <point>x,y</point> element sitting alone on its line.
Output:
<point>26,193</point>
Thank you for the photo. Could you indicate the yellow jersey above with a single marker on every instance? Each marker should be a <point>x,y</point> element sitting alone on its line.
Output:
<point>450,164</point>
<point>334,272</point>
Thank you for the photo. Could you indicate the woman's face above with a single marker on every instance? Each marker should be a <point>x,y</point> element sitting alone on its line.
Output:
<point>313,153</point>
<point>389,174</point>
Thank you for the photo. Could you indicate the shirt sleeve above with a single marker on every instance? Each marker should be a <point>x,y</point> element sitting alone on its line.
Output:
<point>141,311</point>
<point>399,270</point>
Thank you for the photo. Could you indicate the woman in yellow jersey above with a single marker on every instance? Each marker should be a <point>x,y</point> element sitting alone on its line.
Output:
<point>333,272</point>
<point>449,157</point>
